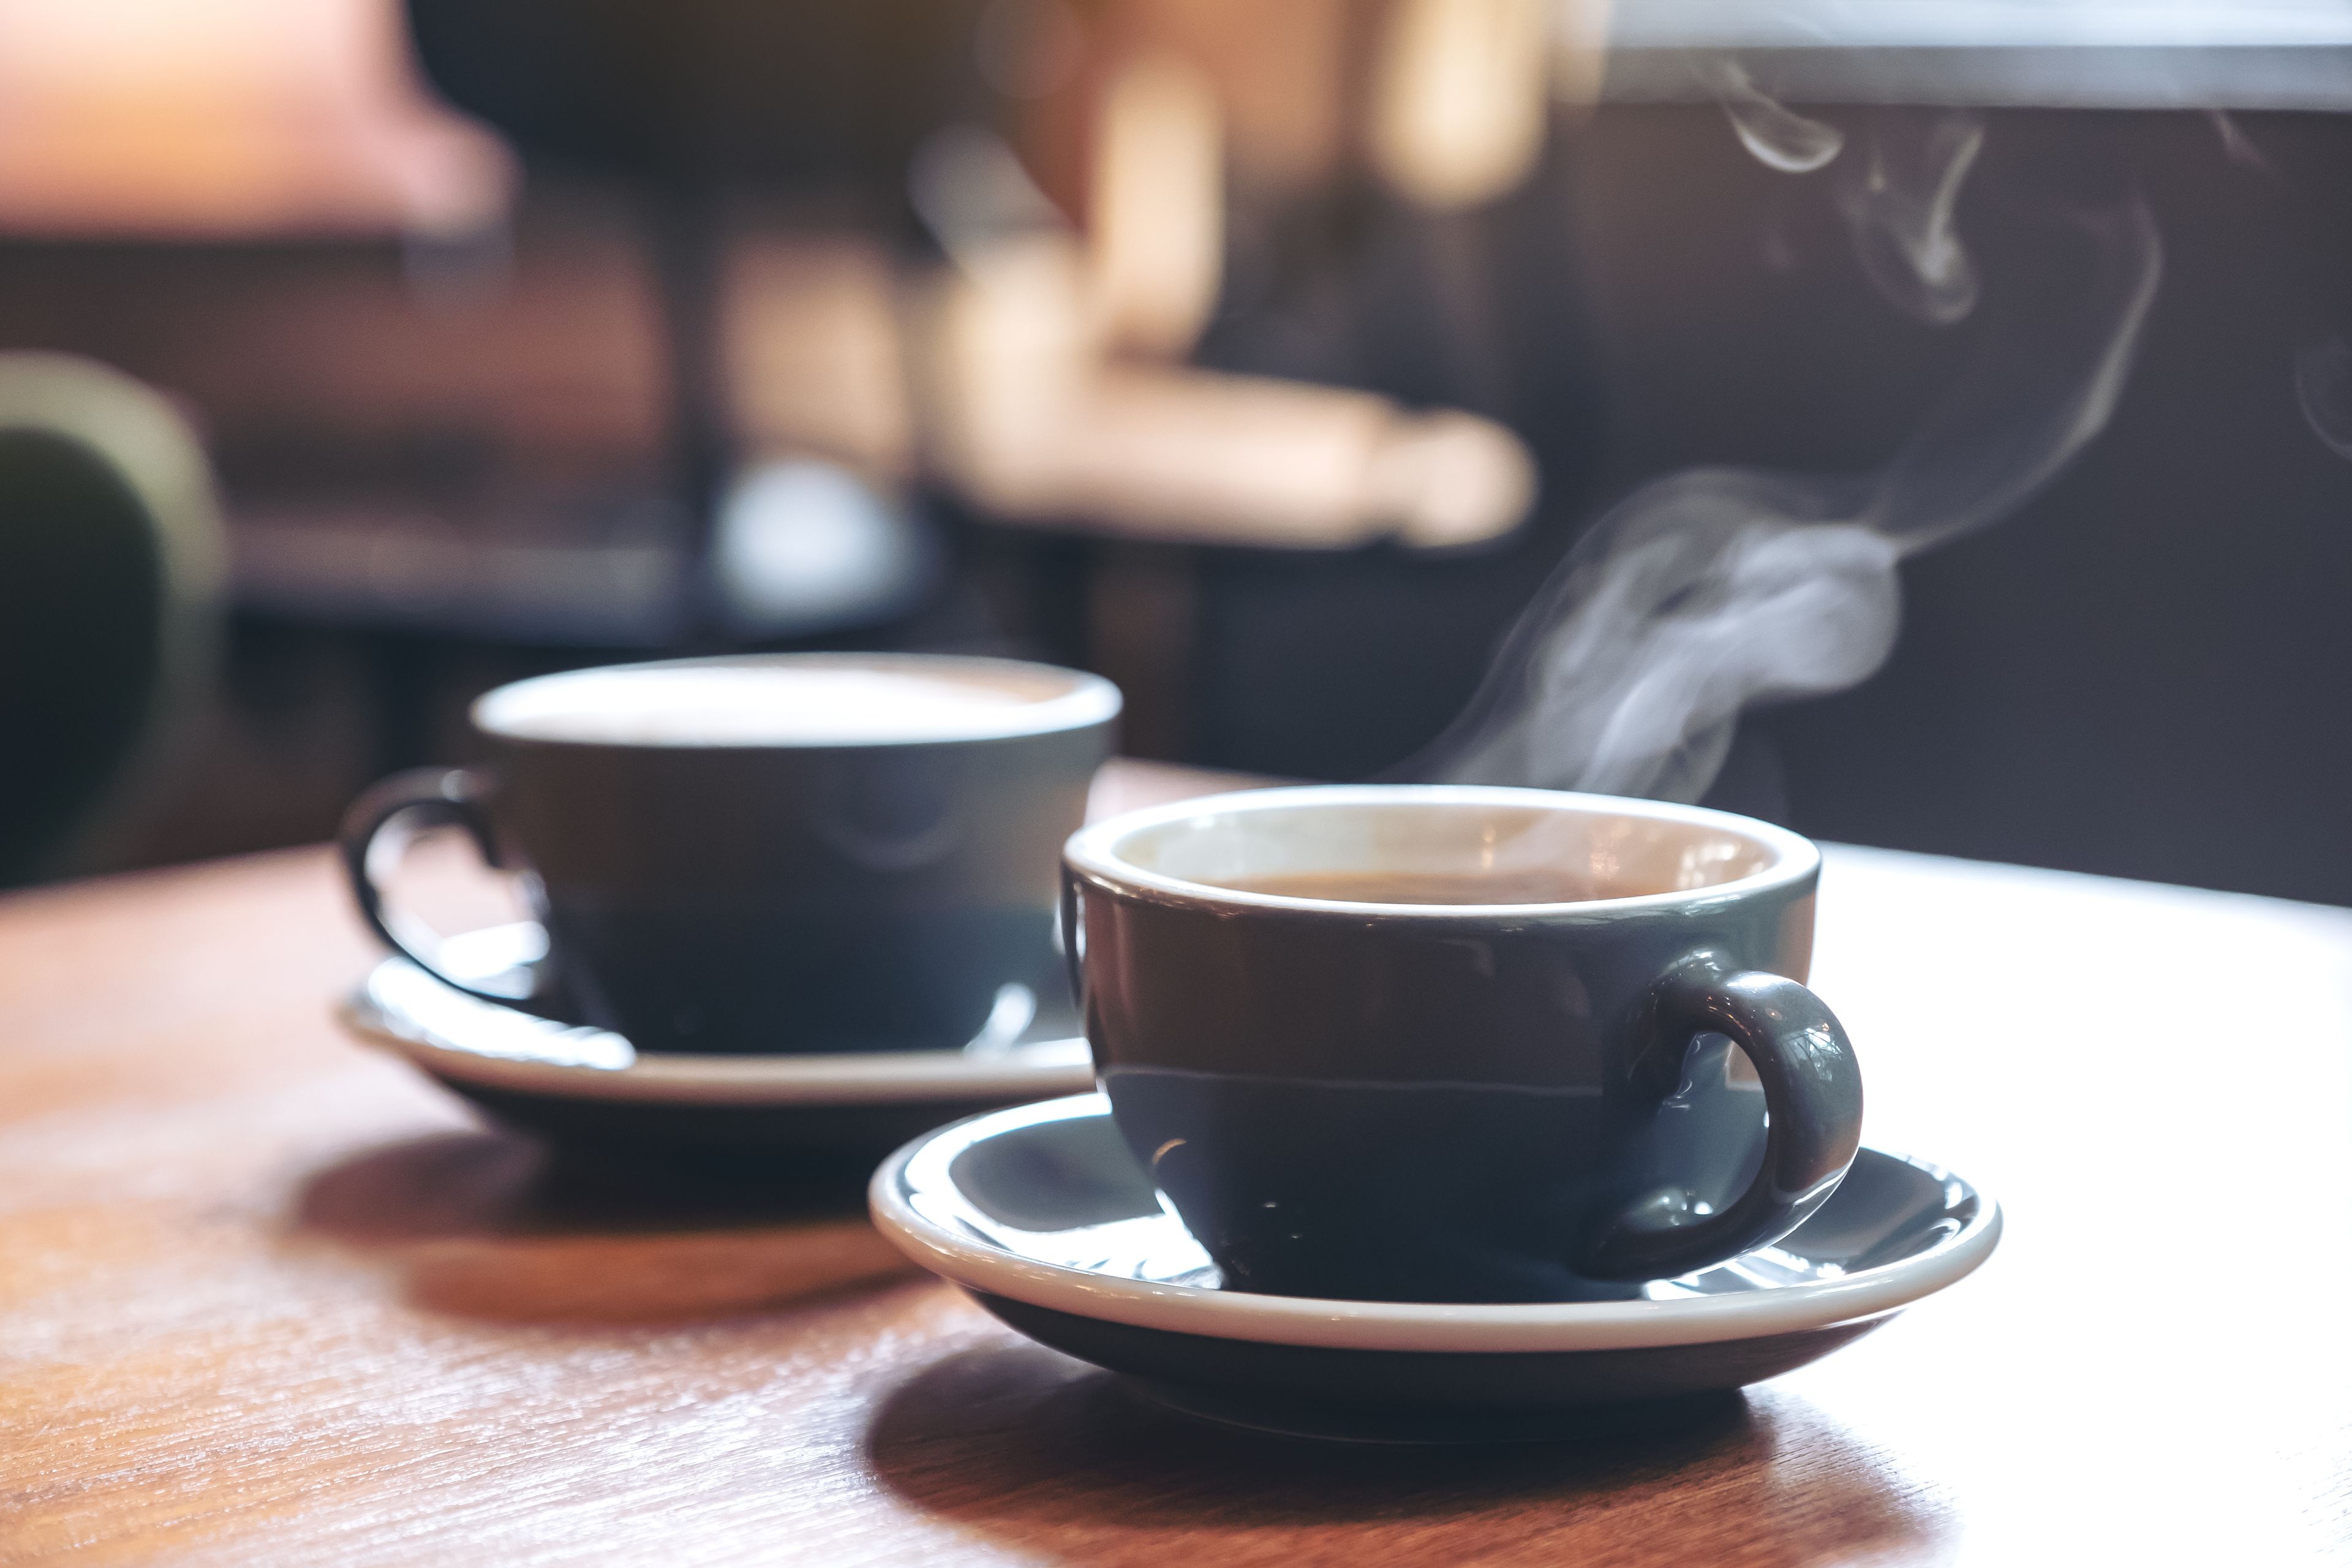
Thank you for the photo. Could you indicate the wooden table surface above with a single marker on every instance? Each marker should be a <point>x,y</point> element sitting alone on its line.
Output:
<point>268,1296</point>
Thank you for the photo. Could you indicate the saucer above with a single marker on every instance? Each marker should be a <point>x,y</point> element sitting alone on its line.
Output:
<point>577,1086</point>
<point>1041,1214</point>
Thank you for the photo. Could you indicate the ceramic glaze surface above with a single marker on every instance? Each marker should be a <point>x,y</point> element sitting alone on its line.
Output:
<point>583,1088</point>
<point>1516,1102</point>
<point>1054,1185</point>
<point>1044,1214</point>
<point>843,892</point>
<point>1405,1397</point>
<point>1449,1183</point>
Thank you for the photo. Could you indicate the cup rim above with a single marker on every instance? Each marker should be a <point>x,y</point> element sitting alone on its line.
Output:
<point>1090,701</point>
<point>1093,850</point>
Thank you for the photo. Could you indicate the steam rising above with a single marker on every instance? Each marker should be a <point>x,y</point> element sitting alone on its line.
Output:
<point>2236,145</point>
<point>2323,386</point>
<point>1900,204</point>
<point>1778,137</point>
<point>1713,589</point>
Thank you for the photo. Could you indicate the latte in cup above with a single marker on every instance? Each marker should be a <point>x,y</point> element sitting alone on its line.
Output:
<point>816,702</point>
<point>1531,885</point>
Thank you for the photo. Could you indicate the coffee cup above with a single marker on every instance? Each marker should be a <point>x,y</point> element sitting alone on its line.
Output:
<point>802,852</point>
<point>1458,1043</point>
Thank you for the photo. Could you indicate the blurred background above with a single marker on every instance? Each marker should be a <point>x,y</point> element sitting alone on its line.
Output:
<point>1269,360</point>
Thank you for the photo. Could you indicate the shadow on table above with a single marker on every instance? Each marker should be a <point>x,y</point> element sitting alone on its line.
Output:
<point>484,1224</point>
<point>1025,1444</point>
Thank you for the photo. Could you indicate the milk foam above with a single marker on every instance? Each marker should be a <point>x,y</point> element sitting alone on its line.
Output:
<point>794,700</point>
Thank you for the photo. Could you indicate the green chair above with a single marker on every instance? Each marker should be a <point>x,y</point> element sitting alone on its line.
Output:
<point>112,564</point>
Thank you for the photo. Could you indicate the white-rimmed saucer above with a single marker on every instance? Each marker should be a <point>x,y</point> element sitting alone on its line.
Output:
<point>576,1086</point>
<point>1041,1214</point>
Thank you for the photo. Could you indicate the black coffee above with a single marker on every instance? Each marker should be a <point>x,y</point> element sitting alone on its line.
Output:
<point>1535,885</point>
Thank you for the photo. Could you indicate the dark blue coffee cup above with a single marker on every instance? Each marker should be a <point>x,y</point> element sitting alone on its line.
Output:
<point>777,852</point>
<point>1462,1044</point>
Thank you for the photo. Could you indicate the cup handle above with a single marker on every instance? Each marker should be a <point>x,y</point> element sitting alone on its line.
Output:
<point>1812,1093</point>
<point>377,831</point>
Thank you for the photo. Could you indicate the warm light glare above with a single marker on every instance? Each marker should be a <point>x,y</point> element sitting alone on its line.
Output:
<point>1462,97</point>
<point>226,117</point>
<point>1158,207</point>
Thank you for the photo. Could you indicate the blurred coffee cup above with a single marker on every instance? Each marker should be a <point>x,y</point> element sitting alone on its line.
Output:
<point>798,852</point>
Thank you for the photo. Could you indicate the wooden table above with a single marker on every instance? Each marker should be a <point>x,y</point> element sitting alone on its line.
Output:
<point>266,1296</point>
